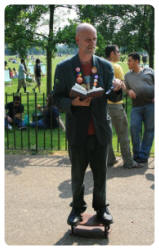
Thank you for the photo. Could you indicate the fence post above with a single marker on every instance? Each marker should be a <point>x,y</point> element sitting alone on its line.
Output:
<point>14,132</point>
<point>7,127</point>
<point>21,131</point>
<point>66,144</point>
<point>44,128</point>
<point>36,120</point>
<point>28,127</point>
<point>59,147</point>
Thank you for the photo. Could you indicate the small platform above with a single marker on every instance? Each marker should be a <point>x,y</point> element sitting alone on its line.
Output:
<point>90,227</point>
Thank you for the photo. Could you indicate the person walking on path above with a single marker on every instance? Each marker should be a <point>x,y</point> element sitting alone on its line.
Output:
<point>22,71</point>
<point>37,73</point>
<point>87,128</point>
<point>139,83</point>
<point>118,114</point>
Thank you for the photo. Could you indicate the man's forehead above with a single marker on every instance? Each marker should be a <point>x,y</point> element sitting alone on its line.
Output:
<point>87,33</point>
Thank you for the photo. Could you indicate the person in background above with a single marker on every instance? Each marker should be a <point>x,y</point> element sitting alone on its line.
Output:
<point>10,73</point>
<point>144,60</point>
<point>117,113</point>
<point>139,85</point>
<point>15,73</point>
<point>14,111</point>
<point>50,116</point>
<point>37,73</point>
<point>5,65</point>
<point>21,76</point>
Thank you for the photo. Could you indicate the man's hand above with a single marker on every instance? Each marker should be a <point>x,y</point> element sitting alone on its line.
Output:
<point>117,84</point>
<point>132,94</point>
<point>78,102</point>
<point>123,86</point>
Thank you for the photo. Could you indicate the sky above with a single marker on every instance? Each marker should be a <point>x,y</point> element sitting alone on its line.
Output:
<point>62,16</point>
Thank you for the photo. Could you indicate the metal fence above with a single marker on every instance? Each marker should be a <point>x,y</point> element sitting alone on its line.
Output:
<point>29,138</point>
<point>36,139</point>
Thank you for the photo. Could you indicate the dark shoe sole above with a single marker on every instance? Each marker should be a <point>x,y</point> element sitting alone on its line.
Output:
<point>139,160</point>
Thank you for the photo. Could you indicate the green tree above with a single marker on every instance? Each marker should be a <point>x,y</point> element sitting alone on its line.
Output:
<point>129,26</point>
<point>21,22</point>
<point>20,27</point>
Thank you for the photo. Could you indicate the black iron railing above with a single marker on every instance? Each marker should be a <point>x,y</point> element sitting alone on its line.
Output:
<point>36,139</point>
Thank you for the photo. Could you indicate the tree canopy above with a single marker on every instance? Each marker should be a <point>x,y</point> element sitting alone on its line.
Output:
<point>131,27</point>
<point>20,27</point>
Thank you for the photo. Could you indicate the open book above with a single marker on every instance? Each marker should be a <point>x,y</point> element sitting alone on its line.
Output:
<point>80,91</point>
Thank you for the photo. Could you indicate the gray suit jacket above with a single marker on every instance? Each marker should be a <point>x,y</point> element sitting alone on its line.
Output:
<point>77,118</point>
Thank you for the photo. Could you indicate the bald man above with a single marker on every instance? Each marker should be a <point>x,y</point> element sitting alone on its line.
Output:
<point>87,128</point>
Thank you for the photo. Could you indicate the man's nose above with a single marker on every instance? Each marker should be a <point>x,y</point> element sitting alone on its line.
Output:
<point>90,42</point>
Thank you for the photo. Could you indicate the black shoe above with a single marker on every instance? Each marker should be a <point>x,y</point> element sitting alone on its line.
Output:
<point>132,165</point>
<point>74,218</point>
<point>140,160</point>
<point>104,215</point>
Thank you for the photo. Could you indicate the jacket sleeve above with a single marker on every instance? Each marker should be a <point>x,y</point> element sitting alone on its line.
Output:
<point>110,77</point>
<point>60,91</point>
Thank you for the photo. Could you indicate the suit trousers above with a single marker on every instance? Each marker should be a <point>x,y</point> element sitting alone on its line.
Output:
<point>93,153</point>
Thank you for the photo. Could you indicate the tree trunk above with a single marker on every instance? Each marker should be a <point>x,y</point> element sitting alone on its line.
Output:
<point>49,71</point>
<point>151,36</point>
<point>49,50</point>
<point>151,52</point>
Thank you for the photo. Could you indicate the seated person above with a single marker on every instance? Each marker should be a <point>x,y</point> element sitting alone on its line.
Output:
<point>14,113</point>
<point>50,116</point>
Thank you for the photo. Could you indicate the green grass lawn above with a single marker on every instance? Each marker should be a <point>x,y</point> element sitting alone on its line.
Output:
<point>46,139</point>
<point>27,139</point>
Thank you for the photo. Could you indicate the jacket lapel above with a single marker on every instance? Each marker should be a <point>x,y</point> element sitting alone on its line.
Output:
<point>75,63</point>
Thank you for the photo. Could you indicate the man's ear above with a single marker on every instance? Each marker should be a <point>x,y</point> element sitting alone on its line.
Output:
<point>111,54</point>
